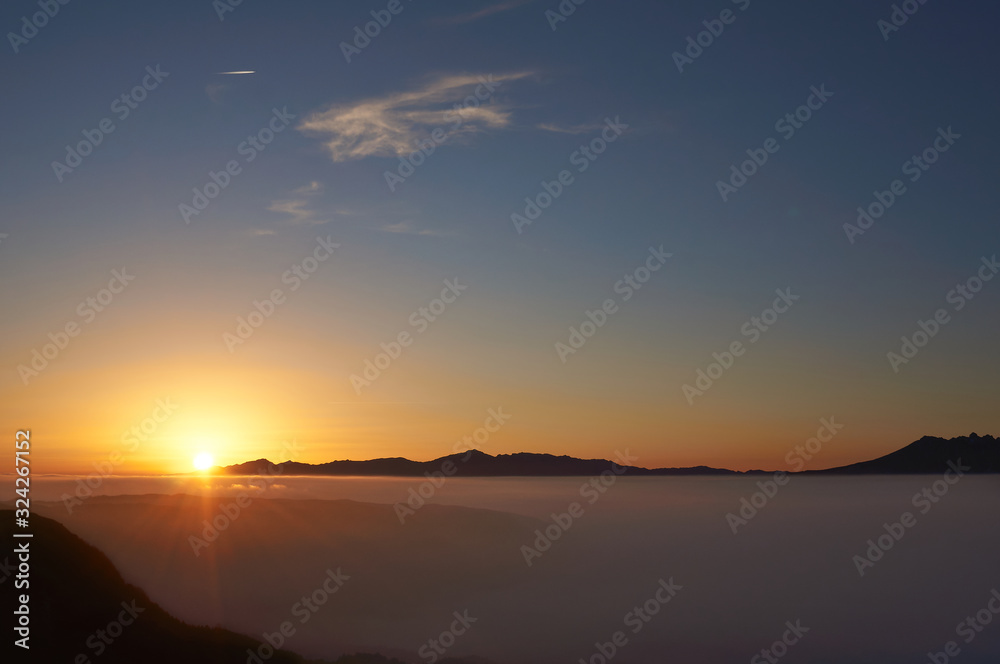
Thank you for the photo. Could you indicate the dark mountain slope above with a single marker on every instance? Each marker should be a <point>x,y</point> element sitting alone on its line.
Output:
<point>75,591</point>
<point>930,455</point>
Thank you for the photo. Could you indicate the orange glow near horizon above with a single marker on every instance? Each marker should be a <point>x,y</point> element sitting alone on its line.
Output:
<point>285,398</point>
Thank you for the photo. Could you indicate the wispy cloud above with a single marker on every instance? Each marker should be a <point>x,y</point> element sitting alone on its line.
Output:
<point>298,207</point>
<point>311,188</point>
<point>389,126</point>
<point>481,13</point>
<point>295,208</point>
<point>407,228</point>
<point>569,129</point>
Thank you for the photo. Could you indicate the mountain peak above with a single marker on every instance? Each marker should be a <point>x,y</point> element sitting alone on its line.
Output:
<point>929,454</point>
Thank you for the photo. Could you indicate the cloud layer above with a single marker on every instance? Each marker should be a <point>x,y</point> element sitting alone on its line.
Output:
<point>390,126</point>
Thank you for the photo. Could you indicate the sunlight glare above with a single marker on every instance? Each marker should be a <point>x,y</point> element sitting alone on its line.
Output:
<point>203,461</point>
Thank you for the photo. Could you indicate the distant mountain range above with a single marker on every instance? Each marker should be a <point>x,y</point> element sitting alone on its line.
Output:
<point>467,464</point>
<point>927,455</point>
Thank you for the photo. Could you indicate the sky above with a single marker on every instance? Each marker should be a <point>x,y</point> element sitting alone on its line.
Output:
<point>570,249</point>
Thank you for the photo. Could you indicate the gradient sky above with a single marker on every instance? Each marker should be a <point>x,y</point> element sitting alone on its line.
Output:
<point>324,176</point>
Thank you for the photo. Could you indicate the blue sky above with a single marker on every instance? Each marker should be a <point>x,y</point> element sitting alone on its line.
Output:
<point>655,185</point>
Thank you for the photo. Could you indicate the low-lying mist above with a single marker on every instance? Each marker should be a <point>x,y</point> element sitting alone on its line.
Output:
<point>795,561</point>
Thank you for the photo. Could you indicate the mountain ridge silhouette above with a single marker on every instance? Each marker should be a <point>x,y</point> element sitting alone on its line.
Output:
<point>927,455</point>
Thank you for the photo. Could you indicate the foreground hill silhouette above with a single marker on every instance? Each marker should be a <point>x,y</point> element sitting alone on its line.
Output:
<point>927,455</point>
<point>76,591</point>
<point>241,577</point>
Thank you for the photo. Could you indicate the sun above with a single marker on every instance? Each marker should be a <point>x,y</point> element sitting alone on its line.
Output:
<point>203,461</point>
